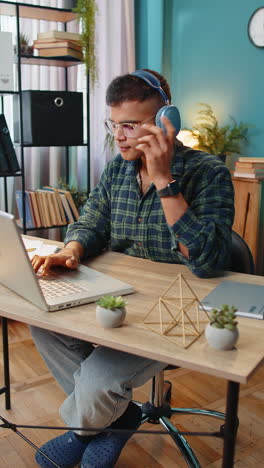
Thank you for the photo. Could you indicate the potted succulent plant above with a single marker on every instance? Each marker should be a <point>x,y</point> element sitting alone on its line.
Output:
<point>222,331</point>
<point>214,139</point>
<point>110,311</point>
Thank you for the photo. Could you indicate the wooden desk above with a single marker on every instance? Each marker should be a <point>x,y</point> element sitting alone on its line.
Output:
<point>150,279</point>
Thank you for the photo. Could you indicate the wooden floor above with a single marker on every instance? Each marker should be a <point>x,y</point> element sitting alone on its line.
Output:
<point>36,398</point>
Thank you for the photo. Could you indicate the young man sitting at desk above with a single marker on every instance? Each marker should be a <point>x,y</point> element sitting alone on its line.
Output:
<point>157,200</point>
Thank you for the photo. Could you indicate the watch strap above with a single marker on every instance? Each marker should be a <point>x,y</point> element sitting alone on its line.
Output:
<point>170,190</point>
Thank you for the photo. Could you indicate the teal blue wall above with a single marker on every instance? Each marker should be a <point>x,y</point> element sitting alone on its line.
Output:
<point>203,48</point>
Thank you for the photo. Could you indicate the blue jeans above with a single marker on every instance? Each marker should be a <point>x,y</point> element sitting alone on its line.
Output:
<point>98,380</point>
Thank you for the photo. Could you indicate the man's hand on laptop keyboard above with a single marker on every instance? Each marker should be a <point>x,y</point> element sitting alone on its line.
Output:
<point>66,257</point>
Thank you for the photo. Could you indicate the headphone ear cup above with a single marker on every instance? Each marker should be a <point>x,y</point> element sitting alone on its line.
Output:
<point>172,113</point>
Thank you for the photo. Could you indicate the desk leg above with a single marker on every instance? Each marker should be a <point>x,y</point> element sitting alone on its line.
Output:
<point>6,389</point>
<point>231,424</point>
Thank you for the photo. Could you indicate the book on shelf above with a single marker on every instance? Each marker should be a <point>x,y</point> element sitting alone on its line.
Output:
<point>41,209</point>
<point>47,207</point>
<point>51,209</point>
<point>44,210</point>
<point>19,201</point>
<point>67,209</point>
<point>74,210</point>
<point>61,209</point>
<point>61,52</point>
<point>31,208</point>
<point>49,45</point>
<point>52,40</point>
<point>250,170</point>
<point>249,159</point>
<point>7,147</point>
<point>29,204</point>
<point>35,207</point>
<point>55,208</point>
<point>62,35</point>
<point>249,165</point>
<point>69,198</point>
<point>249,175</point>
<point>58,205</point>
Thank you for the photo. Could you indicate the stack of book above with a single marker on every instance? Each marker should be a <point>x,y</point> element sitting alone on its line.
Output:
<point>59,44</point>
<point>8,159</point>
<point>251,168</point>
<point>47,207</point>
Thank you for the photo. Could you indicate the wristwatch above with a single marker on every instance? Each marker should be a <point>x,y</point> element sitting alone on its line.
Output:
<point>170,190</point>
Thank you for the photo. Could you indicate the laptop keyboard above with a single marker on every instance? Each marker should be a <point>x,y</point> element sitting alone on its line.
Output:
<point>53,288</point>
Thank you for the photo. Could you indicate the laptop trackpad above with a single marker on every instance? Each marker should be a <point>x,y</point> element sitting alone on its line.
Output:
<point>83,276</point>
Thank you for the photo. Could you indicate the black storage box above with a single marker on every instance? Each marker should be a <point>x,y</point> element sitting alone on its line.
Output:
<point>50,118</point>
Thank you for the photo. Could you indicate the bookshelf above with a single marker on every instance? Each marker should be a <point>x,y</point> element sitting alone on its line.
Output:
<point>63,16</point>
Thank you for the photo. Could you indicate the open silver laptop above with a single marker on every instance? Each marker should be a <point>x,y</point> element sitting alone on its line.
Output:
<point>62,289</point>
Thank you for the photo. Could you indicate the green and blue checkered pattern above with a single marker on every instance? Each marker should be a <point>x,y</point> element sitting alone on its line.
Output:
<point>118,218</point>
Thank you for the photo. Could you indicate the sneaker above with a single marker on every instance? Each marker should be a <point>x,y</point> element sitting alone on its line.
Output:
<point>104,451</point>
<point>65,450</point>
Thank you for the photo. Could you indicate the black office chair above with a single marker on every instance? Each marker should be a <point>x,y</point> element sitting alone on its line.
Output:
<point>241,256</point>
<point>158,409</point>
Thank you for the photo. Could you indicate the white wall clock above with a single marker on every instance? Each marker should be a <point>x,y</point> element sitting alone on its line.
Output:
<point>256,28</point>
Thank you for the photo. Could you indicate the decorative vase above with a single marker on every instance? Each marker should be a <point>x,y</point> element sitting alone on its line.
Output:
<point>110,318</point>
<point>221,338</point>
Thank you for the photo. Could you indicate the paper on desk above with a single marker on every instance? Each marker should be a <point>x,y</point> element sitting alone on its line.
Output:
<point>40,248</point>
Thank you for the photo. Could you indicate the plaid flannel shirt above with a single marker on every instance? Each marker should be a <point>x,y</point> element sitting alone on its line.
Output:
<point>117,217</point>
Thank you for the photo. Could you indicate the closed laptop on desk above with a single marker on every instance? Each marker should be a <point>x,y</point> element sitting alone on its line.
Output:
<point>247,298</point>
<point>63,288</point>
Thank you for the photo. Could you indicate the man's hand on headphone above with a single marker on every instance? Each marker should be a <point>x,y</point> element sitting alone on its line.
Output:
<point>158,149</point>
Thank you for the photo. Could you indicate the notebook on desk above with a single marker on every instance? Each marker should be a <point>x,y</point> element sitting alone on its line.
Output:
<point>63,288</point>
<point>247,298</point>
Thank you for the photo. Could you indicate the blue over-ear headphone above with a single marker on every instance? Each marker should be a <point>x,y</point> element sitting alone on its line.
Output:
<point>171,112</point>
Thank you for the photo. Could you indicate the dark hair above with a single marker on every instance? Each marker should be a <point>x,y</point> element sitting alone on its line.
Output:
<point>130,87</point>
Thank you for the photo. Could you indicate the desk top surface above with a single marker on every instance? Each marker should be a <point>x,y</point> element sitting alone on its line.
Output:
<point>150,280</point>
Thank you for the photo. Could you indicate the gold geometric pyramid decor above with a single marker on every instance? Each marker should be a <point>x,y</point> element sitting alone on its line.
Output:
<point>178,314</point>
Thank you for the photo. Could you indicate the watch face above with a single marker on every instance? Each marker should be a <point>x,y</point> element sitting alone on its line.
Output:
<point>256,27</point>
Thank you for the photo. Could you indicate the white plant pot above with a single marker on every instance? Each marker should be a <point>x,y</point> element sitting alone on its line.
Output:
<point>221,338</point>
<point>110,318</point>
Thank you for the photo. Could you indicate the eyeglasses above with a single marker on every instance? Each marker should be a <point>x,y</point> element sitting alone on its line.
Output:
<point>130,130</point>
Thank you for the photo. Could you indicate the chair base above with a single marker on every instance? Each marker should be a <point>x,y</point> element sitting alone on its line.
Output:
<point>161,414</point>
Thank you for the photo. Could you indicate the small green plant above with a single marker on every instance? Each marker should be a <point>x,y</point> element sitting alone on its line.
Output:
<point>111,302</point>
<point>213,138</point>
<point>224,317</point>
